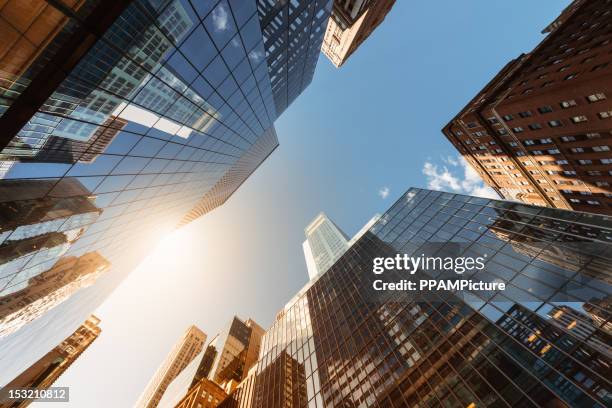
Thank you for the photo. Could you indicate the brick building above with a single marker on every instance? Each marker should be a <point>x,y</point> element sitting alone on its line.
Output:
<point>540,131</point>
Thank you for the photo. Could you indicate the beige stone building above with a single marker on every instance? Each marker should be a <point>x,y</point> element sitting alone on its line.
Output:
<point>183,352</point>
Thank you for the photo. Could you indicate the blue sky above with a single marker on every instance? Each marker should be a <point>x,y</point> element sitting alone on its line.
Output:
<point>350,145</point>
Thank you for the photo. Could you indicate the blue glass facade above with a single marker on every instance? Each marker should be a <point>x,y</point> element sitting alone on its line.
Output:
<point>163,112</point>
<point>293,32</point>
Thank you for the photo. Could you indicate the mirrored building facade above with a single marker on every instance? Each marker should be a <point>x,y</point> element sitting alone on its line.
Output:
<point>160,108</point>
<point>542,342</point>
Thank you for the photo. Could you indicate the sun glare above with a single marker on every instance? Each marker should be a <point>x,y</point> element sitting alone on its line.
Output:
<point>175,245</point>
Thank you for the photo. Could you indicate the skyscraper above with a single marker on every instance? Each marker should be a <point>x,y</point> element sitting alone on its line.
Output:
<point>181,384</point>
<point>325,243</point>
<point>226,366</point>
<point>343,38</point>
<point>183,353</point>
<point>234,177</point>
<point>206,361</point>
<point>156,108</point>
<point>540,130</point>
<point>51,366</point>
<point>339,343</point>
<point>231,354</point>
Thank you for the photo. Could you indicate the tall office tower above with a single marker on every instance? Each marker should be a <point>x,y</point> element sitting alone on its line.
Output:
<point>220,367</point>
<point>158,108</point>
<point>181,355</point>
<point>251,355</point>
<point>231,354</point>
<point>234,177</point>
<point>292,36</point>
<point>43,373</point>
<point>342,40</point>
<point>540,130</point>
<point>338,342</point>
<point>325,243</point>
<point>179,387</point>
<point>206,362</point>
<point>30,299</point>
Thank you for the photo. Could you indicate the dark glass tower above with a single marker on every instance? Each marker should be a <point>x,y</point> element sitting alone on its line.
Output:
<point>230,355</point>
<point>543,342</point>
<point>122,120</point>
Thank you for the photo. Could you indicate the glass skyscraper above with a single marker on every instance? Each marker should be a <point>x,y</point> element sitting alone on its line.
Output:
<point>124,120</point>
<point>230,355</point>
<point>542,342</point>
<point>325,243</point>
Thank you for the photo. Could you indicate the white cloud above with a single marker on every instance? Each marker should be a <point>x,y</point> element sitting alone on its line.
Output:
<point>220,18</point>
<point>440,179</point>
<point>384,192</point>
<point>448,177</point>
<point>450,160</point>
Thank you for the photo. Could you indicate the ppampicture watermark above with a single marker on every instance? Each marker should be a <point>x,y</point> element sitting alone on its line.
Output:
<point>412,264</point>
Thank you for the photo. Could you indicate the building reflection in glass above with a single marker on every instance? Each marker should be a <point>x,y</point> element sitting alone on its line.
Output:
<point>159,109</point>
<point>33,297</point>
<point>600,310</point>
<point>543,342</point>
<point>282,383</point>
<point>40,220</point>
<point>167,113</point>
<point>103,80</point>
